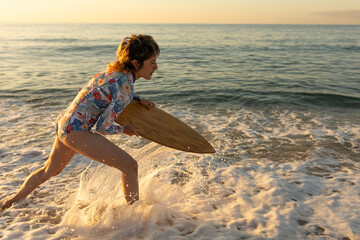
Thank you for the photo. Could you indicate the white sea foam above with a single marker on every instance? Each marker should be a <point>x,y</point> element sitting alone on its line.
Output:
<point>276,175</point>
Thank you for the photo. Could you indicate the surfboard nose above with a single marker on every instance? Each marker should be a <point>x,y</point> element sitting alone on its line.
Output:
<point>163,128</point>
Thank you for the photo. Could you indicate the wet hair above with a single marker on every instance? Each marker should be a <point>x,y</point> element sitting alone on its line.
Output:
<point>136,47</point>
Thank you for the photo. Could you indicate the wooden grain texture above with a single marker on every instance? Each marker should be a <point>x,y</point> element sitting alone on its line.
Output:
<point>163,128</point>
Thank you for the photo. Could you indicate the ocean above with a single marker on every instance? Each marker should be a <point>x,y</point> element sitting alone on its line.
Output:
<point>279,103</point>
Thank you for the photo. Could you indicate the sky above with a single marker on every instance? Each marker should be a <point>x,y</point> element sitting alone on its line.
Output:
<point>181,11</point>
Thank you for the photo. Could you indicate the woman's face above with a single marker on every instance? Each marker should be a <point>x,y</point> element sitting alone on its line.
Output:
<point>148,68</point>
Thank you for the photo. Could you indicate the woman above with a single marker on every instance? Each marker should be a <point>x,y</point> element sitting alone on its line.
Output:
<point>99,103</point>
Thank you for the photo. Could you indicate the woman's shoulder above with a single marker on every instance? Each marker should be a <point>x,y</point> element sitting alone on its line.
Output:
<point>111,80</point>
<point>120,77</point>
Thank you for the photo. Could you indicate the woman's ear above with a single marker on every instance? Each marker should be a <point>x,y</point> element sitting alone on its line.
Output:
<point>135,63</point>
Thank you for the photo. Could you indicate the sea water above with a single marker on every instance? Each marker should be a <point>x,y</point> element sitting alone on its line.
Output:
<point>279,103</point>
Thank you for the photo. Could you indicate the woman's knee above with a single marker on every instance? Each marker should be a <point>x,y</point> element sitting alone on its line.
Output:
<point>49,172</point>
<point>135,166</point>
<point>132,166</point>
<point>55,173</point>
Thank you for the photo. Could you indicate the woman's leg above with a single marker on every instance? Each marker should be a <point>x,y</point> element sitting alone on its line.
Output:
<point>59,157</point>
<point>100,149</point>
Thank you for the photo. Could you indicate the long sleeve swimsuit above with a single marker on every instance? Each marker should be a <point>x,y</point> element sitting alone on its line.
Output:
<point>98,103</point>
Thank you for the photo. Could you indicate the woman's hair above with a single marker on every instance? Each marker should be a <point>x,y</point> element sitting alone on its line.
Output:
<point>135,47</point>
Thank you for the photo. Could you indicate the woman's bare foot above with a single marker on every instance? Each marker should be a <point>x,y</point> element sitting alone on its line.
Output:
<point>7,202</point>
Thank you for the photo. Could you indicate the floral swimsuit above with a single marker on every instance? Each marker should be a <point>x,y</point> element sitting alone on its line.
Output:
<point>99,102</point>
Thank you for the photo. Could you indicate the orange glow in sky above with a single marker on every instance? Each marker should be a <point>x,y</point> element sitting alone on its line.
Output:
<point>184,11</point>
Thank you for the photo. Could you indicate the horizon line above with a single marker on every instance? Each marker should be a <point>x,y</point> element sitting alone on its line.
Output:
<point>175,23</point>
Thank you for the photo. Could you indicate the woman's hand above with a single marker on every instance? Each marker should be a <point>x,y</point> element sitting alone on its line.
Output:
<point>147,103</point>
<point>130,130</point>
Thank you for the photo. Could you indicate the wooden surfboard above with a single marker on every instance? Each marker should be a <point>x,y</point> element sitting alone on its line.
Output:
<point>163,128</point>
